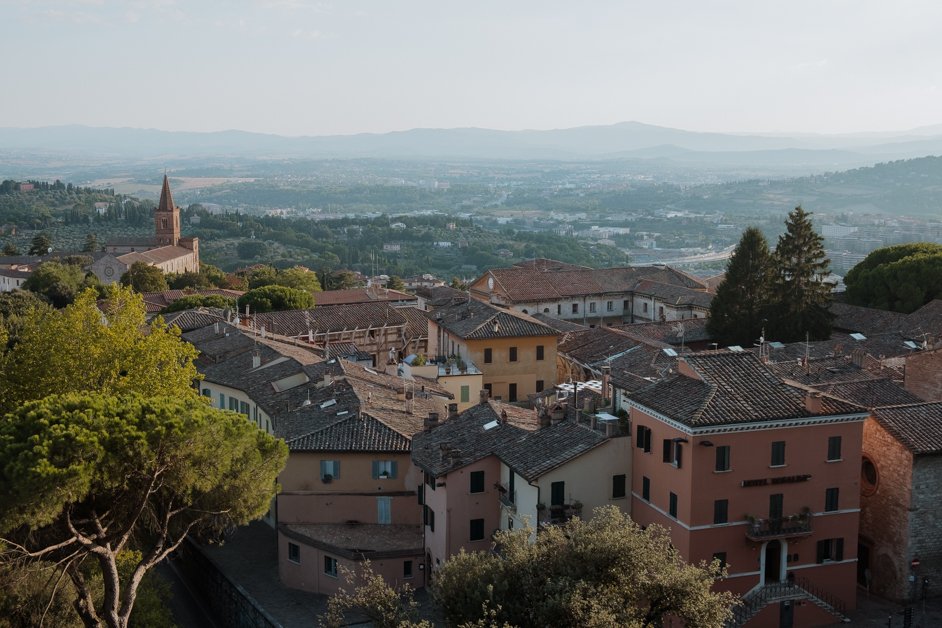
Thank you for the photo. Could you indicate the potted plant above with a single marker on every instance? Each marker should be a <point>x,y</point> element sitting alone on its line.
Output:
<point>327,478</point>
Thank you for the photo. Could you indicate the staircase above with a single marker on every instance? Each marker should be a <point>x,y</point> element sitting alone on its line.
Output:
<point>775,592</point>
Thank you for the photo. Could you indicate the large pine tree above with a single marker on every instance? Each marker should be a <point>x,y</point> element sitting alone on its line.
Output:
<point>739,307</point>
<point>800,297</point>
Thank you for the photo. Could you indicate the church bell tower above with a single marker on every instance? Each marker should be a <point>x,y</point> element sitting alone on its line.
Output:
<point>166,218</point>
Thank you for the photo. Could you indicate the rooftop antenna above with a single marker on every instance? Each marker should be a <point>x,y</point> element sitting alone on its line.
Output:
<point>807,352</point>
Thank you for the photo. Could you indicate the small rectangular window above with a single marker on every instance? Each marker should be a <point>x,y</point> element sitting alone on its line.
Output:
<point>207,392</point>
<point>540,385</point>
<point>490,390</point>
<point>330,470</point>
<point>778,453</point>
<point>430,481</point>
<point>592,307</point>
<point>513,354</point>
<point>539,352</point>
<point>512,392</point>
<point>667,451</point>
<point>646,488</point>
<point>834,448</point>
<point>420,494</point>
<point>721,511</point>
<point>233,404</point>
<point>385,469</point>
<point>625,305</point>
<point>244,408</point>
<point>644,308</point>
<point>575,308</point>
<point>477,530</point>
<point>222,401</point>
<point>609,306</point>
<point>776,505</point>
<point>722,458</point>
<point>430,519</point>
<point>831,499</point>
<point>557,493</point>
<point>477,482</point>
<point>465,394</point>
<point>618,486</point>
<point>672,505</point>
<point>294,553</point>
<point>830,549</point>
<point>488,355</point>
<point>330,566</point>
<point>384,510</point>
<point>407,569</point>
<point>721,556</point>
<point>559,309</point>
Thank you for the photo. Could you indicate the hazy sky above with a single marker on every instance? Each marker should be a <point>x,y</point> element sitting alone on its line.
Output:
<point>298,67</point>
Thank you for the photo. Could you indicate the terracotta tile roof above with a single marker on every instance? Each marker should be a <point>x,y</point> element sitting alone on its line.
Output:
<point>925,320</point>
<point>550,281</point>
<point>417,321</point>
<point>155,256</point>
<point>331,318</point>
<point>865,320</point>
<point>558,324</point>
<point>870,393</point>
<point>357,433</point>
<point>439,295</point>
<point>735,388</point>
<point>359,540</point>
<point>673,294</point>
<point>516,439</point>
<point>474,320</point>
<point>361,295</point>
<point>156,301</point>
<point>918,427</point>
<point>188,320</point>
<point>305,395</point>
<point>821,370</point>
<point>694,330</point>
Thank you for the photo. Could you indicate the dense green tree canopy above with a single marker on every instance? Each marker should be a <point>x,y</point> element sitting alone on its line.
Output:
<point>742,299</point>
<point>81,348</point>
<point>601,572</point>
<point>59,282</point>
<point>299,278</point>
<point>276,298</point>
<point>901,278</point>
<point>91,243</point>
<point>145,278</point>
<point>800,296</point>
<point>191,301</point>
<point>40,244</point>
<point>86,476</point>
<point>396,283</point>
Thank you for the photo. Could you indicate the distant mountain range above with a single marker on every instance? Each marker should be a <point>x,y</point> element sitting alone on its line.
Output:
<point>623,141</point>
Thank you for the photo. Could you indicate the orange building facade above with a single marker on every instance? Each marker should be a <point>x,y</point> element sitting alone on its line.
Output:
<point>763,476</point>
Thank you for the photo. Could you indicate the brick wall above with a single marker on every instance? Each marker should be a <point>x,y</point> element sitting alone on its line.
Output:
<point>924,374</point>
<point>884,517</point>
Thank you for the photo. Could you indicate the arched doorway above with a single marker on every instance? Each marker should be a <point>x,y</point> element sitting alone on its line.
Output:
<point>773,562</point>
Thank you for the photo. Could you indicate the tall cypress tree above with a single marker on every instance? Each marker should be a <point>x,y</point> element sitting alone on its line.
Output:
<point>739,307</point>
<point>800,297</point>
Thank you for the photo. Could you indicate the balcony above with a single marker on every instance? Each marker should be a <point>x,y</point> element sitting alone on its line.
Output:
<point>508,499</point>
<point>559,513</point>
<point>779,528</point>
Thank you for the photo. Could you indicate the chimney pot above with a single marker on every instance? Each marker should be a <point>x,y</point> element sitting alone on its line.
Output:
<point>485,395</point>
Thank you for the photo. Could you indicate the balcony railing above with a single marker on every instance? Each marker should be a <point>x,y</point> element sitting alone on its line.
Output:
<point>779,528</point>
<point>507,498</point>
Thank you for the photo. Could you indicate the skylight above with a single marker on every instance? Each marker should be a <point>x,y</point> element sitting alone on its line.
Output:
<point>491,425</point>
<point>328,403</point>
<point>670,352</point>
<point>858,336</point>
<point>735,348</point>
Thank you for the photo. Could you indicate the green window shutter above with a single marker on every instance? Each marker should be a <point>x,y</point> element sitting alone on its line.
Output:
<point>394,472</point>
<point>375,469</point>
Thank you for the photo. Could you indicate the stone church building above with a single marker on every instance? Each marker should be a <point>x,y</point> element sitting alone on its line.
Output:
<point>167,250</point>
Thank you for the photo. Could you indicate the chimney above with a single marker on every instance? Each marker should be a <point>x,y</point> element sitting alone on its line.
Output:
<point>544,418</point>
<point>431,421</point>
<point>256,360</point>
<point>606,382</point>
<point>558,415</point>
<point>813,402</point>
<point>610,427</point>
<point>588,404</point>
<point>496,326</point>
<point>593,421</point>
<point>452,410</point>
<point>401,393</point>
<point>485,395</point>
<point>216,328</point>
<point>328,380</point>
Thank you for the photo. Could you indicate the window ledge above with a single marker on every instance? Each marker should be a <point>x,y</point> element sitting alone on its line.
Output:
<point>835,460</point>
<point>722,471</point>
<point>777,466</point>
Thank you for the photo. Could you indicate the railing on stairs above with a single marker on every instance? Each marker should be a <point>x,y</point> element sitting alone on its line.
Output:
<point>791,589</point>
